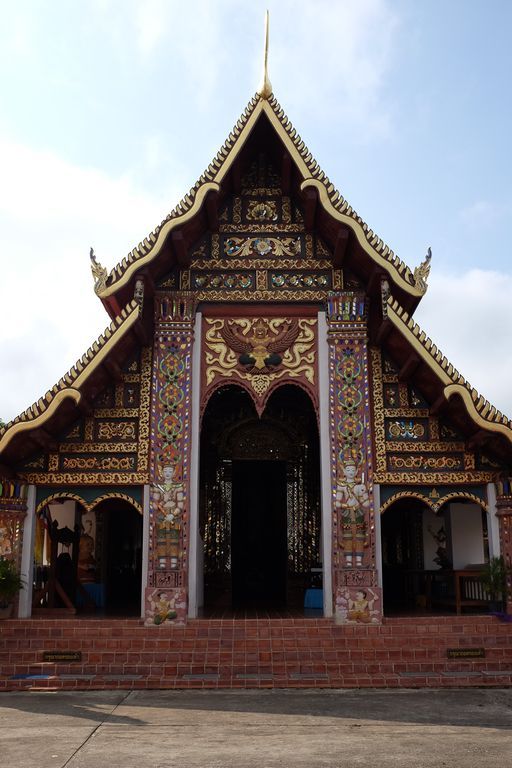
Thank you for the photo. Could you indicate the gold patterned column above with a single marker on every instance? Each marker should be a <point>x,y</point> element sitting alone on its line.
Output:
<point>166,595</point>
<point>504,514</point>
<point>357,597</point>
<point>13,509</point>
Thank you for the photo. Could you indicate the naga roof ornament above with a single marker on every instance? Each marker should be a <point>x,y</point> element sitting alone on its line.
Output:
<point>99,274</point>
<point>422,272</point>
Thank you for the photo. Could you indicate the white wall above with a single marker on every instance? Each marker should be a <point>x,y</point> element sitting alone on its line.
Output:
<point>466,534</point>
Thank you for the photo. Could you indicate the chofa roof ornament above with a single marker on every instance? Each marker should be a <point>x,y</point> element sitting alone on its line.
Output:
<point>265,89</point>
<point>422,272</point>
<point>99,273</point>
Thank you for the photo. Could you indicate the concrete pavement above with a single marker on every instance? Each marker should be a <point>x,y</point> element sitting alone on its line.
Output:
<point>256,729</point>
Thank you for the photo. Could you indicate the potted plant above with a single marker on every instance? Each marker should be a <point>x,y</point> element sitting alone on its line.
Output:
<point>10,584</point>
<point>494,579</point>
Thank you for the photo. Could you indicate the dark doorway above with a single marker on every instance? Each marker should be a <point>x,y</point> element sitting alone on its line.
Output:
<point>402,555</point>
<point>120,535</point>
<point>258,534</point>
<point>259,501</point>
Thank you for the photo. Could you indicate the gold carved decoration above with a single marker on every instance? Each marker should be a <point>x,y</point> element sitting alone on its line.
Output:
<point>378,411</point>
<point>413,473</point>
<point>434,447</point>
<point>259,343</point>
<point>105,463</point>
<point>121,447</point>
<point>53,462</point>
<point>229,264</point>
<point>257,296</point>
<point>286,211</point>
<point>422,272</point>
<point>263,227</point>
<point>112,413</point>
<point>87,478</point>
<point>117,469</point>
<point>262,246</point>
<point>99,273</point>
<point>228,342</point>
<point>262,211</point>
<point>122,430</point>
<point>434,500</point>
<point>88,505</point>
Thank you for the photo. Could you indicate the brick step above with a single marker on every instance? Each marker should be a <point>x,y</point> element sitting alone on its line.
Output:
<point>224,654</point>
<point>202,665</point>
<point>259,653</point>
<point>262,680</point>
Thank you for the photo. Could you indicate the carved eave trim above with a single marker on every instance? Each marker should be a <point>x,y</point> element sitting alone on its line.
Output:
<point>313,178</point>
<point>68,387</point>
<point>479,409</point>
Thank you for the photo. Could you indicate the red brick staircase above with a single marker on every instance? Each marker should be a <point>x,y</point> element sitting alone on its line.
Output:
<point>255,653</point>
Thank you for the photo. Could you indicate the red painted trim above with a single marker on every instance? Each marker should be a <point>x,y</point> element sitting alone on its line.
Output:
<point>260,310</point>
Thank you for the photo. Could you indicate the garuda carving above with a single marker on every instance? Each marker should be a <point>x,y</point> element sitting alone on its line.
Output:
<point>261,345</point>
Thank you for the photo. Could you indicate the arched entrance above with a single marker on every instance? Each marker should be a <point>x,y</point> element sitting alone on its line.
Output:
<point>259,501</point>
<point>118,566</point>
<point>432,558</point>
<point>88,557</point>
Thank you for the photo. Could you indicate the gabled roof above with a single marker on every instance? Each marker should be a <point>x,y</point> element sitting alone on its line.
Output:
<point>312,178</point>
<point>484,415</point>
<point>71,387</point>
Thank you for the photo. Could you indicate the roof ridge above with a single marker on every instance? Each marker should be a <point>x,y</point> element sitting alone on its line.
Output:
<point>483,407</point>
<point>143,248</point>
<point>68,379</point>
<point>336,198</point>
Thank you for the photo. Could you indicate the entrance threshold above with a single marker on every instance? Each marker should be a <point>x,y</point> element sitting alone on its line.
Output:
<point>260,613</point>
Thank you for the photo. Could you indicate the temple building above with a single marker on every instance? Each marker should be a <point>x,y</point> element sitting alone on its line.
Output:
<point>262,427</point>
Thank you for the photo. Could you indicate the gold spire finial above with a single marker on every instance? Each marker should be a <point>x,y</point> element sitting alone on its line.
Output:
<point>265,89</point>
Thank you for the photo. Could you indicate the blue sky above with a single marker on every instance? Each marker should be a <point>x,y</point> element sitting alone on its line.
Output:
<point>110,110</point>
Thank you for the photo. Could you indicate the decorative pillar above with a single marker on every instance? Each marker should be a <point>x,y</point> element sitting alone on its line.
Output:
<point>13,510</point>
<point>504,514</point>
<point>166,594</point>
<point>357,595</point>
<point>146,495</point>
<point>325,463</point>
<point>196,579</point>
<point>27,555</point>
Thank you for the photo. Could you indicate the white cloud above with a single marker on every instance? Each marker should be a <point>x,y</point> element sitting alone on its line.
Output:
<point>484,214</point>
<point>352,44</point>
<point>469,317</point>
<point>51,212</point>
<point>151,21</point>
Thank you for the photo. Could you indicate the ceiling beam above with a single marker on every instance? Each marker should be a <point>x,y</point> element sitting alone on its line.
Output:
<point>113,369</point>
<point>180,248</point>
<point>85,406</point>
<point>141,333</point>
<point>409,367</point>
<point>477,439</point>
<point>375,281</point>
<point>212,211</point>
<point>340,247</point>
<point>286,174</point>
<point>438,405</point>
<point>384,330</point>
<point>43,439</point>
<point>310,202</point>
<point>236,178</point>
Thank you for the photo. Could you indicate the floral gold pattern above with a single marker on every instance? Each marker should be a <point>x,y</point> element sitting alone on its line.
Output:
<point>221,362</point>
